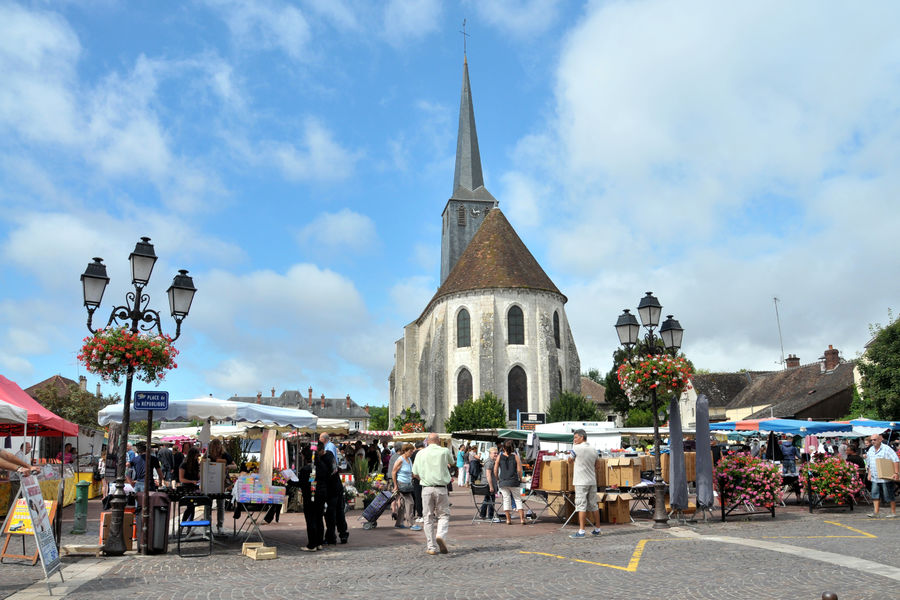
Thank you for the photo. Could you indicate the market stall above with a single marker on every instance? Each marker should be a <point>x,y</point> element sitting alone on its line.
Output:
<point>40,423</point>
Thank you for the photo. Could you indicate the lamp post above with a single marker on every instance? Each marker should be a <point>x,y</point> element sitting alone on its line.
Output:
<point>628,330</point>
<point>138,316</point>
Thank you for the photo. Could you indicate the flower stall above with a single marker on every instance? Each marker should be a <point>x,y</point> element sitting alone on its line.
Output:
<point>747,485</point>
<point>829,483</point>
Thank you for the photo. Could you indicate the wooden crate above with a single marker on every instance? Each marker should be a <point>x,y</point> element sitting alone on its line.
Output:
<point>248,545</point>
<point>262,553</point>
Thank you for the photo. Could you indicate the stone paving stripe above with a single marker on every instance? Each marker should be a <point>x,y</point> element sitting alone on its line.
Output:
<point>850,562</point>
<point>632,564</point>
<point>75,575</point>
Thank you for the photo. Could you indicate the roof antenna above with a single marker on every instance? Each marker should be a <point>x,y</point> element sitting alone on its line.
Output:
<point>780,339</point>
<point>465,35</point>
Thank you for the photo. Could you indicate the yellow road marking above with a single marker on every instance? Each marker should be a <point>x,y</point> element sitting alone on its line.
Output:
<point>632,564</point>
<point>859,531</point>
<point>862,534</point>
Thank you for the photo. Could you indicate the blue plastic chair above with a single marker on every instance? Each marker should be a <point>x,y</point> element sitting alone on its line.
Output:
<point>192,502</point>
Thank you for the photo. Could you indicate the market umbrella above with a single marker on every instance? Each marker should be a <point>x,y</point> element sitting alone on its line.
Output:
<point>773,448</point>
<point>678,491</point>
<point>704,455</point>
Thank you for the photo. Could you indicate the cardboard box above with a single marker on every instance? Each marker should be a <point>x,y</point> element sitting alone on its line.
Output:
<point>554,475</point>
<point>570,474</point>
<point>690,466</point>
<point>623,472</point>
<point>885,468</point>
<point>127,526</point>
<point>262,553</point>
<point>600,468</point>
<point>617,508</point>
<point>558,505</point>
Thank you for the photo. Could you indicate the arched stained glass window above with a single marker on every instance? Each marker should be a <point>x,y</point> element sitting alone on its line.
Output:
<point>517,386</point>
<point>463,386</point>
<point>556,328</point>
<point>515,325</point>
<point>463,338</point>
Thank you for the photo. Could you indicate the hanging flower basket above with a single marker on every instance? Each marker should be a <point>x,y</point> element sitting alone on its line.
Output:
<point>109,352</point>
<point>667,375</point>
<point>742,478</point>
<point>413,427</point>
<point>831,479</point>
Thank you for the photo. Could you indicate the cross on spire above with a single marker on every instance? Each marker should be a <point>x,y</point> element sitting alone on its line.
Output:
<point>465,35</point>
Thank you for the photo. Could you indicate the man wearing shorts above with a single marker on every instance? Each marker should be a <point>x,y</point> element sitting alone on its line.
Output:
<point>882,489</point>
<point>583,459</point>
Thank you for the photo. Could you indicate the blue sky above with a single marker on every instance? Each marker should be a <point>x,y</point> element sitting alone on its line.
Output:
<point>296,157</point>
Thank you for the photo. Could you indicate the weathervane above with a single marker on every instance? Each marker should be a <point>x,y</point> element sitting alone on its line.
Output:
<point>465,35</point>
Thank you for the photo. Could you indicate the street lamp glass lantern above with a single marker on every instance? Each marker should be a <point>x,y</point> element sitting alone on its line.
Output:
<point>671,333</point>
<point>649,310</point>
<point>93,282</point>
<point>627,329</point>
<point>142,260</point>
<point>181,294</point>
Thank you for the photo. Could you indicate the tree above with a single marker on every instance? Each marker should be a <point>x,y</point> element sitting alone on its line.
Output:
<point>75,405</point>
<point>484,413</point>
<point>880,370</point>
<point>378,417</point>
<point>594,375</point>
<point>572,407</point>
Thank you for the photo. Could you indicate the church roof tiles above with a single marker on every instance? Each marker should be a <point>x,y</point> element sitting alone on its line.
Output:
<point>495,258</point>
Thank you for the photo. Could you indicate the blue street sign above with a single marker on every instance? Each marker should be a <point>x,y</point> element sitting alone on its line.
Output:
<point>151,400</point>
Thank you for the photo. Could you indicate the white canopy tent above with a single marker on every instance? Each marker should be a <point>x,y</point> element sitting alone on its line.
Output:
<point>253,430</point>
<point>10,413</point>
<point>215,409</point>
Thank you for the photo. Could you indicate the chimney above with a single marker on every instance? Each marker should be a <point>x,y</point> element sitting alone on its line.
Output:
<point>82,383</point>
<point>259,397</point>
<point>348,400</point>
<point>273,392</point>
<point>98,389</point>
<point>310,396</point>
<point>792,362</point>
<point>366,408</point>
<point>323,400</point>
<point>832,358</point>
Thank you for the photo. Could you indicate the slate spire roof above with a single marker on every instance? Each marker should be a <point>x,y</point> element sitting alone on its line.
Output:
<point>468,181</point>
<point>495,258</point>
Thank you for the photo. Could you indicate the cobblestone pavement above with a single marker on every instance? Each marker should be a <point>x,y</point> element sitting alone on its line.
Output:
<point>499,561</point>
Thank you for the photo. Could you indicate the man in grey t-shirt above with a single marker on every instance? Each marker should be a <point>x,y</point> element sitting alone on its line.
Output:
<point>583,459</point>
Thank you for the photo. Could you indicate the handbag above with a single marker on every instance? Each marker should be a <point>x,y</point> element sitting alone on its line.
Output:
<point>405,488</point>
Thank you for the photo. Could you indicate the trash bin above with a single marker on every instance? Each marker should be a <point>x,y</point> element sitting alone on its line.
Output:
<point>158,523</point>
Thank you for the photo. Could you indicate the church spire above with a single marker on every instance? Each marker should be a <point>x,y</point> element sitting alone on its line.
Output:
<point>468,181</point>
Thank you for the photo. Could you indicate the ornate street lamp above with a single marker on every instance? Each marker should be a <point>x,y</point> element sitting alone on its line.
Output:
<point>136,314</point>
<point>628,330</point>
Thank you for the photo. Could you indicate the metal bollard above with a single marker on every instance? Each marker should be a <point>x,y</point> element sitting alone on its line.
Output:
<point>81,501</point>
<point>829,596</point>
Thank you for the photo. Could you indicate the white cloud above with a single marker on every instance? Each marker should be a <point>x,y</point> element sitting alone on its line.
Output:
<point>728,157</point>
<point>267,25</point>
<point>520,18</point>
<point>318,158</point>
<point>406,20</point>
<point>342,231</point>
<point>410,296</point>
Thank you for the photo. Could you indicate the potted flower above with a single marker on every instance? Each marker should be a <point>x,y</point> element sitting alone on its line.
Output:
<point>350,495</point>
<point>666,374</point>
<point>110,352</point>
<point>743,479</point>
<point>830,480</point>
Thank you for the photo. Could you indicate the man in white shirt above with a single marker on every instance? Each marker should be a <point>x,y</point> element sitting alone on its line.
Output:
<point>584,478</point>
<point>882,489</point>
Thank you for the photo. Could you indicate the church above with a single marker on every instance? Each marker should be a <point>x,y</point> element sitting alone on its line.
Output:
<point>497,323</point>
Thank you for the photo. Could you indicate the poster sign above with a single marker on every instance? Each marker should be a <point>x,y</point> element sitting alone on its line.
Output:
<point>529,420</point>
<point>112,451</point>
<point>151,400</point>
<point>20,520</point>
<point>40,519</point>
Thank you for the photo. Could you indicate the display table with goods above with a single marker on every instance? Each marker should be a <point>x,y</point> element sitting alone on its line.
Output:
<point>254,498</point>
<point>747,485</point>
<point>830,483</point>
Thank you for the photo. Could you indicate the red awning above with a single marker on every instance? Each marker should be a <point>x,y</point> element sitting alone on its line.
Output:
<point>40,420</point>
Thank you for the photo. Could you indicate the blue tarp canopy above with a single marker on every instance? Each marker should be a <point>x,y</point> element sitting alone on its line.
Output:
<point>788,426</point>
<point>875,424</point>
